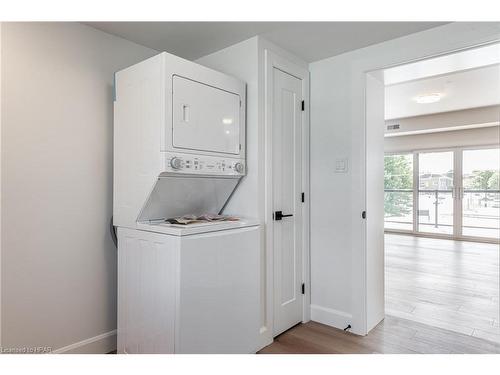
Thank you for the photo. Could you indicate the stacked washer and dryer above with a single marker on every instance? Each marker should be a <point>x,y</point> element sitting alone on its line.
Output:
<point>179,149</point>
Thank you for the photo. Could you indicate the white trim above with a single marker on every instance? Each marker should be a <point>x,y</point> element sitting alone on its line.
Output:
<point>273,60</point>
<point>306,208</point>
<point>438,149</point>
<point>440,130</point>
<point>100,344</point>
<point>335,318</point>
<point>0,185</point>
<point>466,38</point>
<point>416,195</point>
<point>441,236</point>
<point>457,195</point>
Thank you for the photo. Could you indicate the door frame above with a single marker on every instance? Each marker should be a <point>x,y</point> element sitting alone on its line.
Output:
<point>457,183</point>
<point>360,270</point>
<point>272,60</point>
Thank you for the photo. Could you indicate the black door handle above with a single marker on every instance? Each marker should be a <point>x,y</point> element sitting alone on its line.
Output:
<point>278,215</point>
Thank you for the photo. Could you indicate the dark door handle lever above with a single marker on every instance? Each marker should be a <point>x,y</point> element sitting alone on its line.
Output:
<point>278,215</point>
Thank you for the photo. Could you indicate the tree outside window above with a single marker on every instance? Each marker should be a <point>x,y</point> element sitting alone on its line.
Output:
<point>398,175</point>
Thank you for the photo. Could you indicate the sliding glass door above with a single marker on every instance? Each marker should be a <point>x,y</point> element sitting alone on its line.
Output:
<point>435,192</point>
<point>451,193</point>
<point>480,193</point>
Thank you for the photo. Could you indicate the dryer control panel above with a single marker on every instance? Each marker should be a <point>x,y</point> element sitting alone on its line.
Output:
<point>200,164</point>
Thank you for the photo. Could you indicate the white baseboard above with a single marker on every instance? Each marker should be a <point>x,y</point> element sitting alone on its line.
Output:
<point>334,318</point>
<point>265,338</point>
<point>100,344</point>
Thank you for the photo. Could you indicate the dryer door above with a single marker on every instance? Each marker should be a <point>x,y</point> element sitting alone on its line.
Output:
<point>205,118</point>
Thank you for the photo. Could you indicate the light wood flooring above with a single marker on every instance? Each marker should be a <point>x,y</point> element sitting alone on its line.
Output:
<point>448,284</point>
<point>391,336</point>
<point>441,297</point>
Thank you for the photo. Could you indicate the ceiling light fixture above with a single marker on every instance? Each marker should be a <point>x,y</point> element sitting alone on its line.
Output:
<point>428,98</point>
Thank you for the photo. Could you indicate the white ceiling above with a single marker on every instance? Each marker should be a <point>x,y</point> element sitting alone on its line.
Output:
<point>461,90</point>
<point>463,60</point>
<point>311,41</point>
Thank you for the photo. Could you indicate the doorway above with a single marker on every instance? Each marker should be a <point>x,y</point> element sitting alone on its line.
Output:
<point>287,193</point>
<point>442,193</point>
<point>287,150</point>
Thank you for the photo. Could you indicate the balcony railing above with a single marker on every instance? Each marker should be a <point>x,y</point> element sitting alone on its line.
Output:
<point>480,211</point>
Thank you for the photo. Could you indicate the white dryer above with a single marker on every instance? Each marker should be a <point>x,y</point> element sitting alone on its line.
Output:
<point>179,148</point>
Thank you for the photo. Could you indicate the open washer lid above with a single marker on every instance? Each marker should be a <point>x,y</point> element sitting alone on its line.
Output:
<point>177,194</point>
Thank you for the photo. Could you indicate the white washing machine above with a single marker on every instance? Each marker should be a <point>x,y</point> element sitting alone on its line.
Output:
<point>193,290</point>
<point>179,148</point>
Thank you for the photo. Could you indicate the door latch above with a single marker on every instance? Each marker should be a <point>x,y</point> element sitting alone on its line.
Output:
<point>278,215</point>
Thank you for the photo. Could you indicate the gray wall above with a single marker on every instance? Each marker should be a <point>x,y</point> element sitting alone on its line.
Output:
<point>469,127</point>
<point>447,121</point>
<point>457,138</point>
<point>58,261</point>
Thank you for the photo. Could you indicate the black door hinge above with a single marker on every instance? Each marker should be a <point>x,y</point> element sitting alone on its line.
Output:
<point>303,288</point>
<point>303,105</point>
<point>363,214</point>
<point>303,197</point>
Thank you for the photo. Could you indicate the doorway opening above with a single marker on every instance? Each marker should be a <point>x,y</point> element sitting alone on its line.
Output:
<point>442,193</point>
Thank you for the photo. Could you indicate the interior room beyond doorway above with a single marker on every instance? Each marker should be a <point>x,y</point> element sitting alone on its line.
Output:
<point>442,192</point>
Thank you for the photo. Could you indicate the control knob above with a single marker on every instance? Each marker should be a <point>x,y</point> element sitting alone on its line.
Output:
<point>238,167</point>
<point>176,163</point>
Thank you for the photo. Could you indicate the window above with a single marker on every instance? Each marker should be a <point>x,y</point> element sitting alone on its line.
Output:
<point>398,186</point>
<point>457,192</point>
<point>435,192</point>
<point>481,193</point>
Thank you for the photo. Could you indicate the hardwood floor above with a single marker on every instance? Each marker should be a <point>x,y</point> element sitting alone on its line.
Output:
<point>441,297</point>
<point>392,336</point>
<point>448,284</point>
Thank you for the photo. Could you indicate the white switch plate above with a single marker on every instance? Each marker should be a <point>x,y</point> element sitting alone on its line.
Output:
<point>341,165</point>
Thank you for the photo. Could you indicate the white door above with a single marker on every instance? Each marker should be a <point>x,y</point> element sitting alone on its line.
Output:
<point>287,200</point>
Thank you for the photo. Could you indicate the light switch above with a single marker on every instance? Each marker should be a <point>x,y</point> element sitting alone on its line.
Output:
<point>341,165</point>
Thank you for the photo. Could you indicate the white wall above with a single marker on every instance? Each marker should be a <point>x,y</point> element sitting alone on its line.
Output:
<point>1,26</point>
<point>246,60</point>
<point>338,253</point>
<point>58,260</point>
<point>240,60</point>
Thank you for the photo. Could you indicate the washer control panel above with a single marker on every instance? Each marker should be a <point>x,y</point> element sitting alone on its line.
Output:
<point>200,164</point>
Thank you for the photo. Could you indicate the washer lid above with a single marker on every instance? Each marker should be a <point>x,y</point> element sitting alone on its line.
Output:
<point>176,194</point>
<point>187,230</point>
